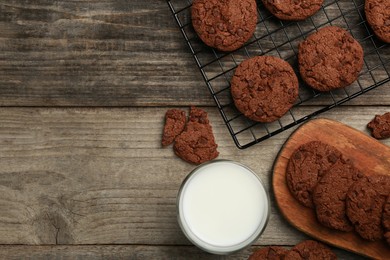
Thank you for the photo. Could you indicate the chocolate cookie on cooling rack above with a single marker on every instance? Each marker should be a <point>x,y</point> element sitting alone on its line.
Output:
<point>329,59</point>
<point>378,17</point>
<point>293,10</point>
<point>224,24</point>
<point>264,88</point>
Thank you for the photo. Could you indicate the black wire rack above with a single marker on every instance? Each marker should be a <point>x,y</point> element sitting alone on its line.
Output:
<point>280,38</point>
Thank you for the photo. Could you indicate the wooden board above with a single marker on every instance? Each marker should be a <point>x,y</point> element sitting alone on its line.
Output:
<point>369,156</point>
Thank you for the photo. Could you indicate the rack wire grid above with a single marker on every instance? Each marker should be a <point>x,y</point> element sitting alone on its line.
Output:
<point>281,39</point>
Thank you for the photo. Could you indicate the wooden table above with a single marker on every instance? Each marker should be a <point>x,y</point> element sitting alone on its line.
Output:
<point>84,86</point>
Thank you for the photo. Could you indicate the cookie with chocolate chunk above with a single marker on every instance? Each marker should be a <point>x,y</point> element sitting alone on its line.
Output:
<point>305,168</point>
<point>175,121</point>
<point>365,201</point>
<point>380,126</point>
<point>269,253</point>
<point>293,10</point>
<point>378,17</point>
<point>386,219</point>
<point>264,88</point>
<point>224,24</point>
<point>330,194</point>
<point>196,144</point>
<point>310,249</point>
<point>329,59</point>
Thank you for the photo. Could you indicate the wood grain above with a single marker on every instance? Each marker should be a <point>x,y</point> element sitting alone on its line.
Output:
<point>367,154</point>
<point>117,53</point>
<point>94,53</point>
<point>128,252</point>
<point>100,176</point>
<point>92,182</point>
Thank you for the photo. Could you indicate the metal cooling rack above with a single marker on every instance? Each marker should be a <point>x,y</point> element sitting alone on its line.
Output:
<point>281,39</point>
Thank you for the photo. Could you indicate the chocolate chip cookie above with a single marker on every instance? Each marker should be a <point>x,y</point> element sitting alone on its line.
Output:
<point>310,249</point>
<point>330,194</point>
<point>196,144</point>
<point>305,168</point>
<point>264,88</point>
<point>293,10</point>
<point>365,201</point>
<point>380,126</point>
<point>329,59</point>
<point>378,17</point>
<point>386,219</point>
<point>175,121</point>
<point>224,24</point>
<point>269,253</point>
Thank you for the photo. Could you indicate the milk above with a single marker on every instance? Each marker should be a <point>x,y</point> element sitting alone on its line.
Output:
<point>223,207</point>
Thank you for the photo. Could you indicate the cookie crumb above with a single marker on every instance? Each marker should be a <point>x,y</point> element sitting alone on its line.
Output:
<point>380,126</point>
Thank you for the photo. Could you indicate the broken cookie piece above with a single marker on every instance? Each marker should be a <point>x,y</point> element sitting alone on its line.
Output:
<point>175,121</point>
<point>380,126</point>
<point>196,144</point>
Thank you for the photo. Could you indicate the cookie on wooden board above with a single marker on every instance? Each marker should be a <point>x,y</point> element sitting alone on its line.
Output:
<point>196,144</point>
<point>310,249</point>
<point>329,59</point>
<point>306,166</point>
<point>224,24</point>
<point>269,253</point>
<point>386,219</point>
<point>365,201</point>
<point>264,88</point>
<point>293,10</point>
<point>380,126</point>
<point>330,194</point>
<point>175,121</point>
<point>378,17</point>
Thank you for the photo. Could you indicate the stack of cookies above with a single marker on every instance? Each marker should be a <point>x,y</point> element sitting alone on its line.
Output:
<point>343,198</point>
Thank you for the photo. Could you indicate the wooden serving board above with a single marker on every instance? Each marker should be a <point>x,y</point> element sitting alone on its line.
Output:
<point>369,156</point>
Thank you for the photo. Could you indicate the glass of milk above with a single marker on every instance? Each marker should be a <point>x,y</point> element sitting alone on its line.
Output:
<point>222,207</point>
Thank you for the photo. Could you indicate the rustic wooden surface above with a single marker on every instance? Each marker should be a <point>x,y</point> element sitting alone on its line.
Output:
<point>84,86</point>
